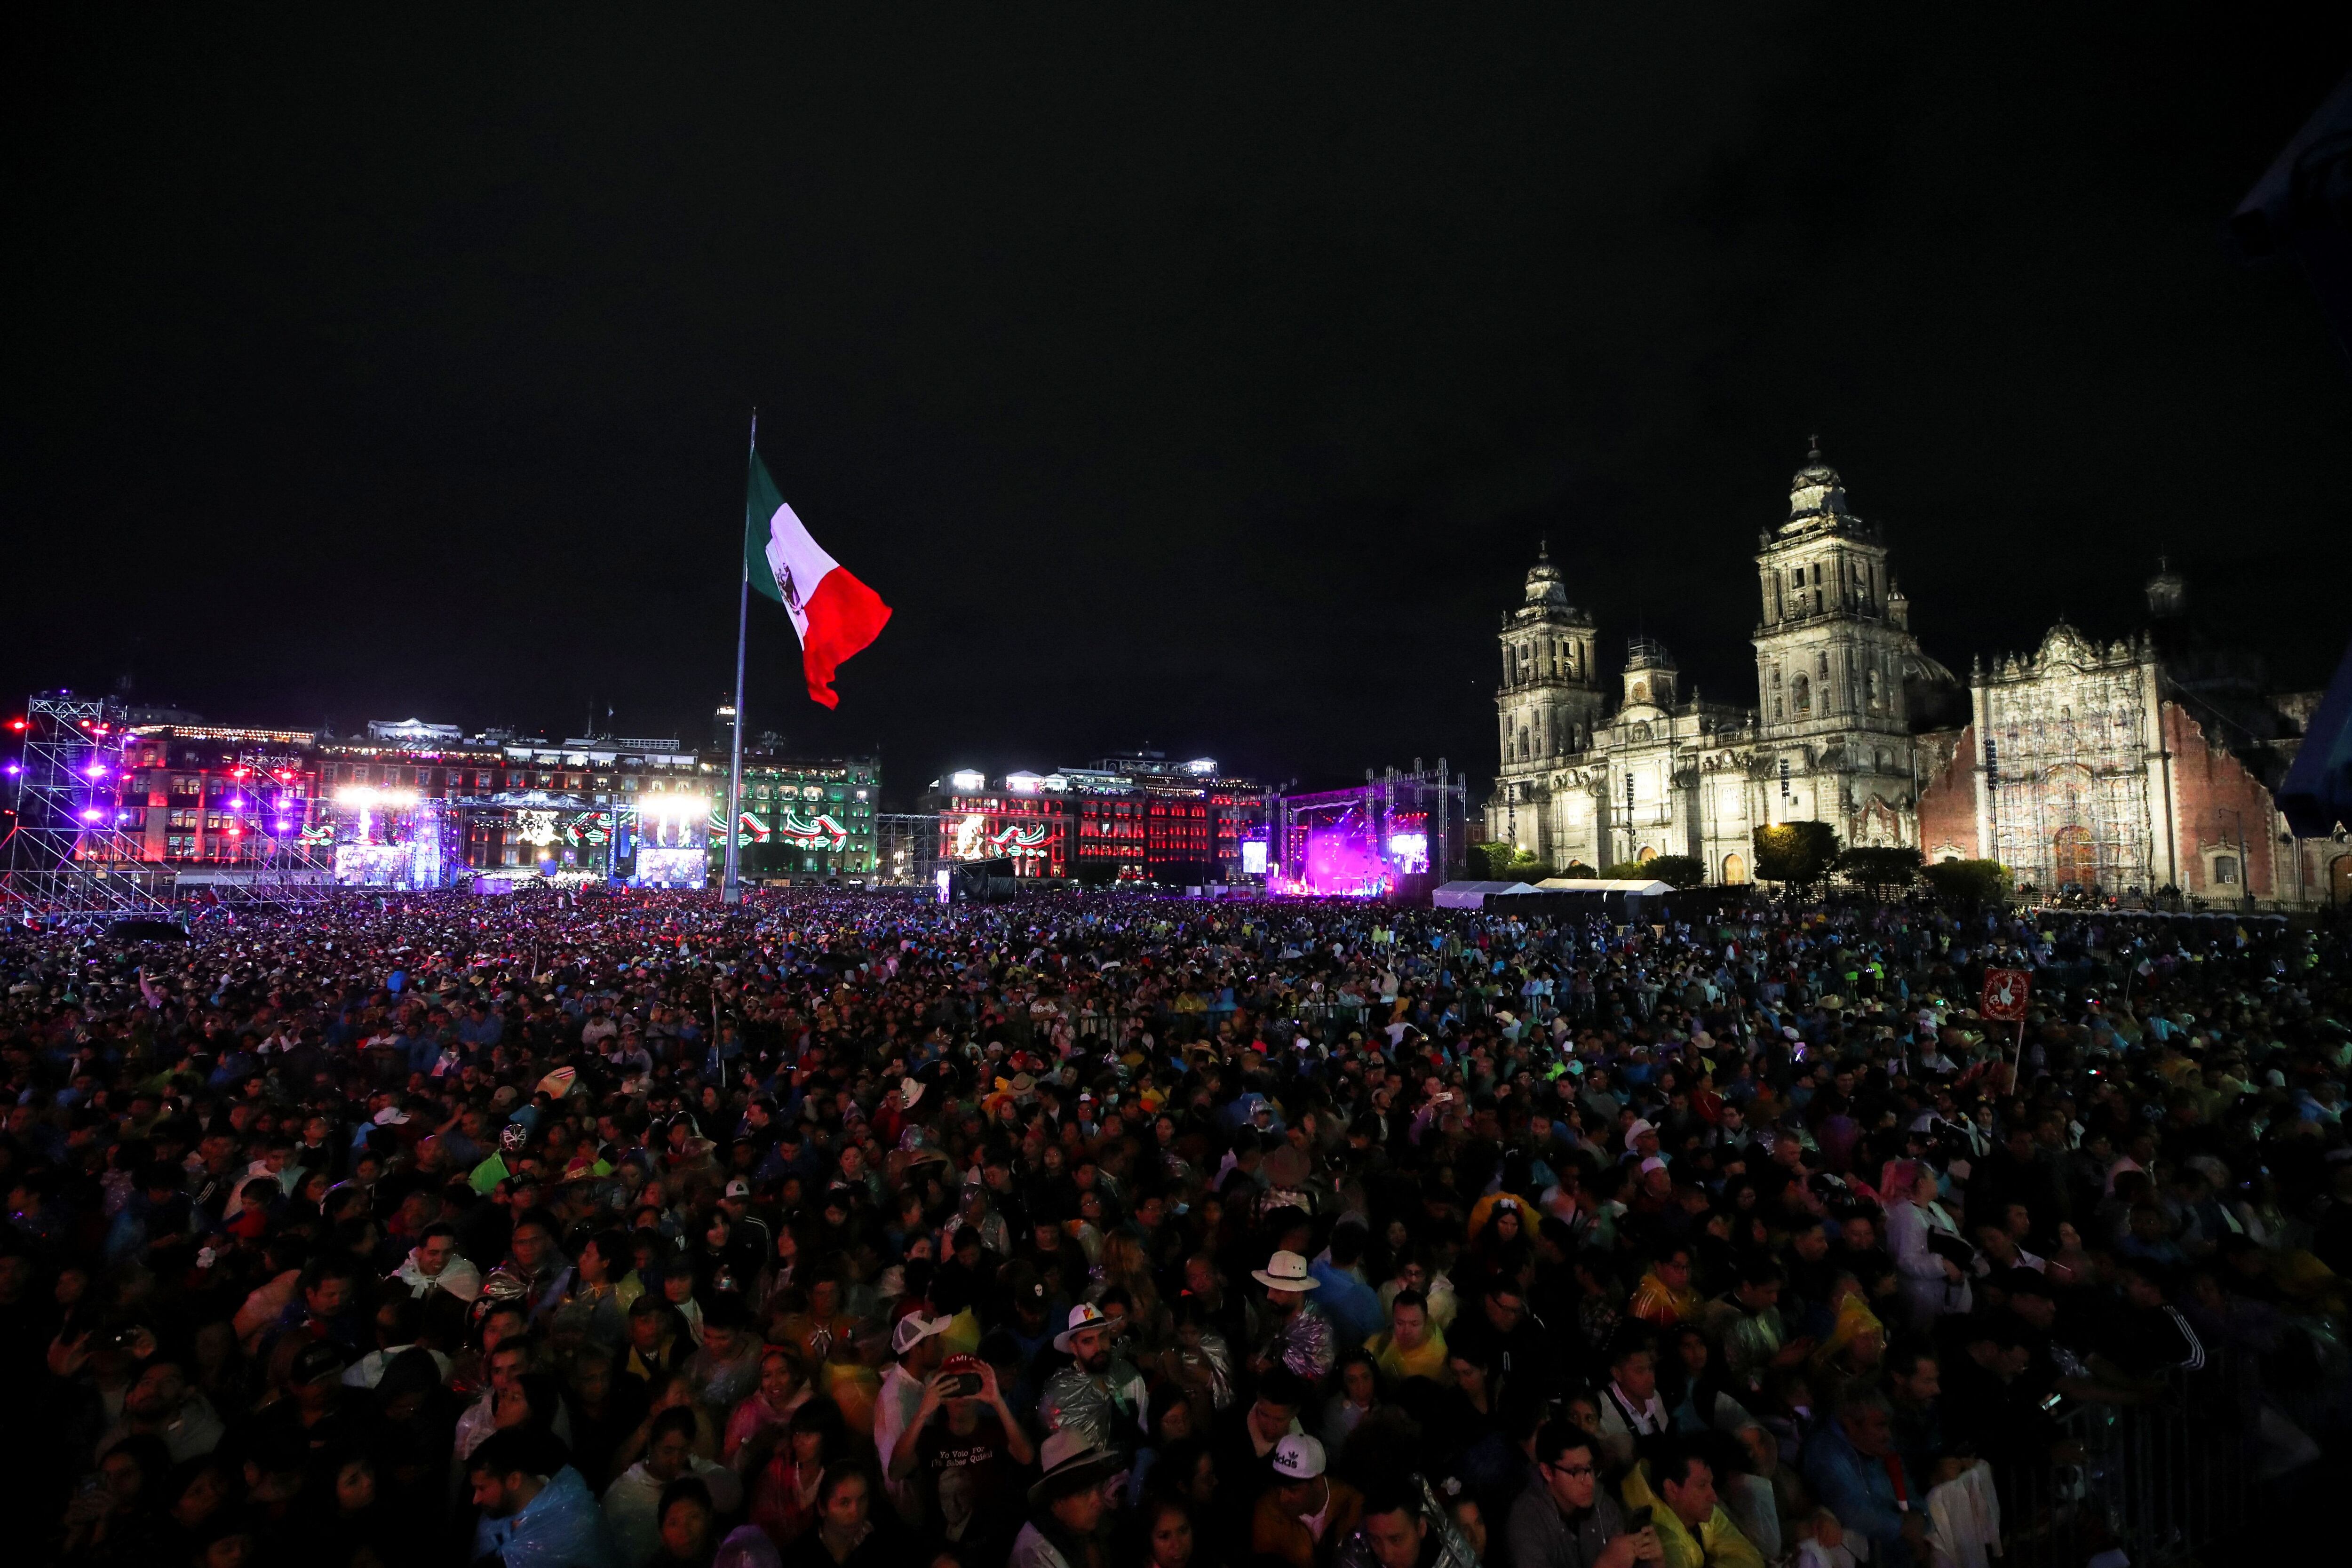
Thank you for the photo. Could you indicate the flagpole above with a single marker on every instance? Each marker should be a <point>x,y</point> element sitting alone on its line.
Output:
<point>732,891</point>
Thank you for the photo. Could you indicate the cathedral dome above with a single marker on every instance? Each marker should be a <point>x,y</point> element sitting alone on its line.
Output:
<point>1816,491</point>
<point>1544,585</point>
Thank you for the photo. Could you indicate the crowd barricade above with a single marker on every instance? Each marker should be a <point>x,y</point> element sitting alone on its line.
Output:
<point>2162,1481</point>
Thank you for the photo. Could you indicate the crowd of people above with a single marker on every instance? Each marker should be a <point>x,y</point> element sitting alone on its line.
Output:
<point>843,1230</point>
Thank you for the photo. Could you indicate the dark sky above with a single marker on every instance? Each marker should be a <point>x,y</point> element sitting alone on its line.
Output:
<point>1203,380</point>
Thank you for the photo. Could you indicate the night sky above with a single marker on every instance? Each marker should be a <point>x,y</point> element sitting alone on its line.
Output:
<point>1196,380</point>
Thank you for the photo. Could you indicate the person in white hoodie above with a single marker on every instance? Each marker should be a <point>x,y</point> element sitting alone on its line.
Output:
<point>435,1263</point>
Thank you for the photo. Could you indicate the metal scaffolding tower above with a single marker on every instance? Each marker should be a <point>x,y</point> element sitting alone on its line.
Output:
<point>906,848</point>
<point>65,856</point>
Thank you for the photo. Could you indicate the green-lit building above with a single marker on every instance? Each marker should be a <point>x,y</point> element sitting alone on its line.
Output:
<point>804,820</point>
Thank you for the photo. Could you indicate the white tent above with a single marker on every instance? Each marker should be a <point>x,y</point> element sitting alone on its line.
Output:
<point>1472,895</point>
<point>1651,890</point>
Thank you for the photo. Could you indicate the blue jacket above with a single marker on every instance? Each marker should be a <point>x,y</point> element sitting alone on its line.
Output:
<point>1857,1489</point>
<point>1349,1302</point>
<point>561,1528</point>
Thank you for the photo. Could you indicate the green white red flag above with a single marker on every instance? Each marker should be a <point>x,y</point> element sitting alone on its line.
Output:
<point>834,613</point>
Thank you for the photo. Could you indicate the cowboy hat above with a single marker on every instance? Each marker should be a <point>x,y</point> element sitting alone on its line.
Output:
<point>1084,1316</point>
<point>1072,1464</point>
<point>1286,1271</point>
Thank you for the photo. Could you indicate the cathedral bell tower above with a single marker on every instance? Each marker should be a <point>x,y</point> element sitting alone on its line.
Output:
<point>1550,696</point>
<point>1832,646</point>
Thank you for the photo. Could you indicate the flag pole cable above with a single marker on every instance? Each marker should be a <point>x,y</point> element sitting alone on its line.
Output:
<point>732,892</point>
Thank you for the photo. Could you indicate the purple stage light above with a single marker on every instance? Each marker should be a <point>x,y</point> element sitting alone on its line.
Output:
<point>91,813</point>
<point>1340,862</point>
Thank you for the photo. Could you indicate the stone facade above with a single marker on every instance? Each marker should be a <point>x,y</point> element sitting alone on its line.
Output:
<point>2130,766</point>
<point>1668,773</point>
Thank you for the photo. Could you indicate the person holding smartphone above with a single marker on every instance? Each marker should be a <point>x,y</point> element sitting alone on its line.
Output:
<point>1565,1519</point>
<point>961,1453</point>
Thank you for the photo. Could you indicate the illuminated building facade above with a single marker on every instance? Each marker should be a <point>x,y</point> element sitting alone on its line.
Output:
<point>214,795</point>
<point>1131,818</point>
<point>805,821</point>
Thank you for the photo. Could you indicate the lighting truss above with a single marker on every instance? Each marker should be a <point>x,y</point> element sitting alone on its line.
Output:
<point>906,848</point>
<point>65,856</point>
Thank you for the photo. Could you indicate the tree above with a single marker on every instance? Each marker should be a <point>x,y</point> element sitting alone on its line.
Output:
<point>1798,853</point>
<point>1968,884</point>
<point>1626,871</point>
<point>1683,871</point>
<point>1497,860</point>
<point>1880,869</point>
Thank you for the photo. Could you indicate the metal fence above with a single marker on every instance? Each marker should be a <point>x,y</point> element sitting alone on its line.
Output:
<point>2163,1482</point>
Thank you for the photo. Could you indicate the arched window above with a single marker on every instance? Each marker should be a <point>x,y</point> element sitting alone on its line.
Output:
<point>1800,695</point>
<point>1735,870</point>
<point>1877,693</point>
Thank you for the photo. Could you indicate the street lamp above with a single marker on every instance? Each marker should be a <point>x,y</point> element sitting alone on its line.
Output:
<point>2246,868</point>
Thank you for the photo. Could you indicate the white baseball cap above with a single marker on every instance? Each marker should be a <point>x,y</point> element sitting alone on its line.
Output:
<point>1298,1458</point>
<point>913,1329</point>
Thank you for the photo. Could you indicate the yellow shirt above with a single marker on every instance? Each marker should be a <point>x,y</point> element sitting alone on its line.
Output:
<point>1399,1363</point>
<point>1717,1543</point>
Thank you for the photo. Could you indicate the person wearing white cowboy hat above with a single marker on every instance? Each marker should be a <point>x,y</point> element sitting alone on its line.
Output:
<point>1098,1392</point>
<point>1066,1503</point>
<point>1634,1132</point>
<point>1302,1338</point>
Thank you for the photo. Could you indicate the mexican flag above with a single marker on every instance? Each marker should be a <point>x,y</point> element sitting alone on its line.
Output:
<point>834,614</point>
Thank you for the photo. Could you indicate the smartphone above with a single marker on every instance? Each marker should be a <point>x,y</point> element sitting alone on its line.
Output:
<point>1638,1520</point>
<point>962,1385</point>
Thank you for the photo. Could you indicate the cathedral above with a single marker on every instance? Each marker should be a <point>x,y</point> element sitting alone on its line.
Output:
<point>2131,767</point>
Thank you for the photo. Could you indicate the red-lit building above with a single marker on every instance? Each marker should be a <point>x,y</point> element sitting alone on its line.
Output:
<point>1131,819</point>
<point>217,795</point>
<point>1112,833</point>
<point>977,823</point>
